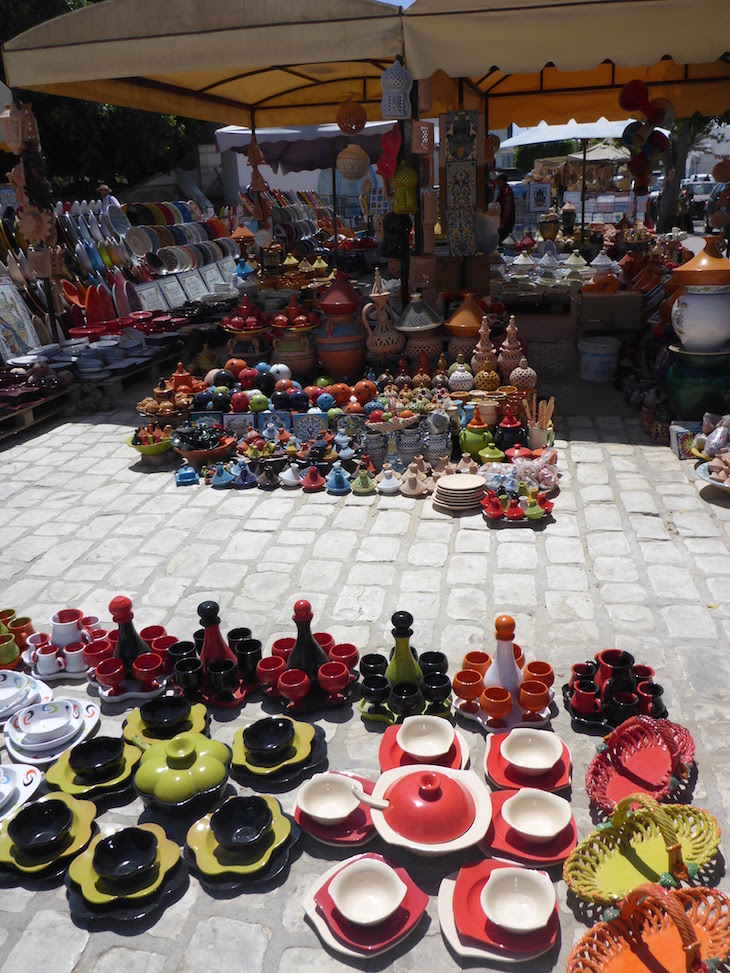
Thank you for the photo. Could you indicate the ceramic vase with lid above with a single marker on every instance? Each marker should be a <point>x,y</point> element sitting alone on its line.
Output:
<point>510,352</point>
<point>523,377</point>
<point>460,378</point>
<point>383,341</point>
<point>341,339</point>
<point>214,648</point>
<point>129,645</point>
<point>509,431</point>
<point>419,323</point>
<point>701,312</point>
<point>504,671</point>
<point>485,356</point>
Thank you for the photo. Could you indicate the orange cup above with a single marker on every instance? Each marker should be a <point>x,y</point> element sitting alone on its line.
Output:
<point>467,684</point>
<point>21,627</point>
<point>476,660</point>
<point>542,671</point>
<point>496,702</point>
<point>534,697</point>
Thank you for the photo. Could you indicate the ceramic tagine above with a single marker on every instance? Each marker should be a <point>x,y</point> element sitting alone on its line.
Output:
<point>418,323</point>
<point>383,340</point>
<point>341,340</point>
<point>510,352</point>
<point>701,311</point>
<point>509,431</point>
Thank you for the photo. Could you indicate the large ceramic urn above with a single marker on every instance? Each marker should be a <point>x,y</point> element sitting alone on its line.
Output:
<point>341,339</point>
<point>701,311</point>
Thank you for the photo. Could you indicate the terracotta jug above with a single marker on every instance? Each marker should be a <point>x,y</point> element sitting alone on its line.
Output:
<point>383,341</point>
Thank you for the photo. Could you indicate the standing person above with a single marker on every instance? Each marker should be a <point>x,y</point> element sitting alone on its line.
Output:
<point>107,199</point>
<point>506,199</point>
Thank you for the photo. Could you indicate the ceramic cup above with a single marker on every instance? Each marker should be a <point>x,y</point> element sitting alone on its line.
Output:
<point>21,628</point>
<point>96,652</point>
<point>281,648</point>
<point>405,700</point>
<point>199,638</point>
<point>436,689</point>
<point>189,675</point>
<point>151,633</point>
<point>433,662</point>
<point>223,676</point>
<point>9,651</point>
<point>541,671</point>
<point>89,622</point>
<point>345,652</point>
<point>583,671</point>
<point>6,616</point>
<point>237,635</point>
<point>66,626</point>
<point>181,650</point>
<point>269,669</point>
<point>375,691</point>
<point>325,640</point>
<point>73,656</point>
<point>478,661</point>
<point>160,647</point>
<point>621,707</point>
<point>293,685</point>
<point>650,698</point>
<point>373,664</point>
<point>248,653</point>
<point>643,673</point>
<point>35,641</point>
<point>48,661</point>
<point>585,700</point>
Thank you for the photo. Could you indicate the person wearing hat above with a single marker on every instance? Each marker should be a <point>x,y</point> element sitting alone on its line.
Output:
<point>107,199</point>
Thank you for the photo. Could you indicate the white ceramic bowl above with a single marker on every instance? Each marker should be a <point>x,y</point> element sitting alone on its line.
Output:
<point>47,721</point>
<point>518,899</point>
<point>327,799</point>
<point>13,688</point>
<point>425,737</point>
<point>367,892</point>
<point>531,752</point>
<point>537,815</point>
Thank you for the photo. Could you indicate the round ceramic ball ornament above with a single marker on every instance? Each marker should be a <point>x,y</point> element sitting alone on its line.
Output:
<point>280,371</point>
<point>258,402</point>
<point>353,162</point>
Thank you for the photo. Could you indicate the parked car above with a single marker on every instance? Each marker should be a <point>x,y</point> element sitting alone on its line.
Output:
<point>698,192</point>
<point>712,204</point>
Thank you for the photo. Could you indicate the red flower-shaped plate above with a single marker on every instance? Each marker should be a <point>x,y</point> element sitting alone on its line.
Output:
<point>392,755</point>
<point>356,829</point>
<point>471,923</point>
<point>503,840</point>
<point>502,775</point>
<point>385,935</point>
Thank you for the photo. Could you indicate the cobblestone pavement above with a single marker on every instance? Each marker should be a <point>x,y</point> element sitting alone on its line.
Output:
<point>637,558</point>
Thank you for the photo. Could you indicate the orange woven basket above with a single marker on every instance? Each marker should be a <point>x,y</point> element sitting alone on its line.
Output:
<point>658,931</point>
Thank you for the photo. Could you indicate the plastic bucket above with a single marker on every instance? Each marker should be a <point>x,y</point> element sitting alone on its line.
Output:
<point>598,358</point>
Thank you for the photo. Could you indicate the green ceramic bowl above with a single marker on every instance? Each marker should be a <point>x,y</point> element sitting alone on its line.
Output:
<point>153,449</point>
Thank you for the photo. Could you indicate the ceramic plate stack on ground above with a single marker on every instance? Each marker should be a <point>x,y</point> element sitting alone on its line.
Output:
<point>18,691</point>
<point>18,782</point>
<point>364,906</point>
<point>459,492</point>
<point>276,752</point>
<point>41,839</point>
<point>163,718</point>
<point>527,758</point>
<point>328,810</point>
<point>245,843</point>
<point>39,734</point>
<point>492,910</point>
<point>125,876</point>
<point>95,769</point>
<point>423,740</point>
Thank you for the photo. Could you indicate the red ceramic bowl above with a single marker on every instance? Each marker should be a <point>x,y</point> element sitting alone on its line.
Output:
<point>293,684</point>
<point>333,677</point>
<point>151,633</point>
<point>145,668</point>
<point>269,669</point>
<point>345,652</point>
<point>110,673</point>
<point>96,652</point>
<point>281,648</point>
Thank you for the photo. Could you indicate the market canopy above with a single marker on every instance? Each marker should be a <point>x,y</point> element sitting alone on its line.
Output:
<point>291,62</point>
<point>604,153</point>
<point>536,134</point>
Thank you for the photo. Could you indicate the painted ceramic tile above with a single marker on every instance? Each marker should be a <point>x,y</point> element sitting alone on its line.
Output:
<point>353,424</point>
<point>207,418</point>
<point>278,417</point>
<point>238,423</point>
<point>461,232</point>
<point>459,136</point>
<point>461,185</point>
<point>309,426</point>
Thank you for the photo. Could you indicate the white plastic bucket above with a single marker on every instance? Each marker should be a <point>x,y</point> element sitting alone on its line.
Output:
<point>598,358</point>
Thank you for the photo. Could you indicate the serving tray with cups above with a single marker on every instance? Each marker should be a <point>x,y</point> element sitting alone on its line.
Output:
<point>38,734</point>
<point>364,906</point>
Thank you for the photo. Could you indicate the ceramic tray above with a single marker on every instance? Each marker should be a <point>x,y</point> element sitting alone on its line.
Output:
<point>515,718</point>
<point>25,780</point>
<point>657,930</point>
<point>503,776</point>
<point>466,947</point>
<point>596,724</point>
<point>43,758</point>
<point>132,690</point>
<point>703,471</point>
<point>390,755</point>
<point>357,829</point>
<point>317,920</point>
<point>62,676</point>
<point>502,840</point>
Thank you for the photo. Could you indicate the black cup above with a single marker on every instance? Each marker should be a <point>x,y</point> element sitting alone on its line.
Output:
<point>620,708</point>
<point>653,689</point>
<point>405,700</point>
<point>373,664</point>
<point>237,635</point>
<point>248,653</point>
<point>433,662</point>
<point>199,638</point>
<point>189,675</point>
<point>181,650</point>
<point>223,675</point>
<point>436,689</point>
<point>375,691</point>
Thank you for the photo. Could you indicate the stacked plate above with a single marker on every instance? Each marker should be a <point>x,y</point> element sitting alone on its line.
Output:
<point>17,784</point>
<point>39,733</point>
<point>18,691</point>
<point>459,492</point>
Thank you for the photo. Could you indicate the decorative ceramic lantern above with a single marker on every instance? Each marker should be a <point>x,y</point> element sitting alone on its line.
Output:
<point>405,183</point>
<point>351,117</point>
<point>396,84</point>
<point>353,162</point>
<point>422,136</point>
<point>17,126</point>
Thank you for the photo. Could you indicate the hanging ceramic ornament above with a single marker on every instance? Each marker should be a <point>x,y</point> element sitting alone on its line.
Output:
<point>351,117</point>
<point>405,184</point>
<point>396,84</point>
<point>353,162</point>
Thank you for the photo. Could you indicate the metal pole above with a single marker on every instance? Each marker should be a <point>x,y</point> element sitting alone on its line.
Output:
<point>334,200</point>
<point>583,194</point>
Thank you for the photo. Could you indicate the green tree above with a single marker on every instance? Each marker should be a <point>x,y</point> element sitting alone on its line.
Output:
<point>526,154</point>
<point>85,143</point>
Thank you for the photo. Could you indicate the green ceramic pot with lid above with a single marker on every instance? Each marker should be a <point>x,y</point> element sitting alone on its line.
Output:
<point>174,772</point>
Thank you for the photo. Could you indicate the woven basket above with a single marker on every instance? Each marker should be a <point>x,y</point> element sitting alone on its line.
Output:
<point>657,930</point>
<point>639,826</point>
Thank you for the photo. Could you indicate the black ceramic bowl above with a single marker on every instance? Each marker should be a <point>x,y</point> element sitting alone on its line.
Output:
<point>166,714</point>
<point>39,828</point>
<point>126,856</point>
<point>268,736</point>
<point>240,822</point>
<point>97,759</point>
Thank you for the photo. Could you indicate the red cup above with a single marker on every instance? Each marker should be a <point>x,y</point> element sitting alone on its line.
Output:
<point>269,669</point>
<point>293,685</point>
<point>325,640</point>
<point>95,634</point>
<point>113,636</point>
<point>282,648</point>
<point>160,646</point>
<point>96,652</point>
<point>145,668</point>
<point>110,674</point>
<point>345,652</point>
<point>643,673</point>
<point>585,699</point>
<point>583,672</point>
<point>332,677</point>
<point>151,633</point>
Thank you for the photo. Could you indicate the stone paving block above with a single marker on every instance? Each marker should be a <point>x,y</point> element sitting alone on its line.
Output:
<point>513,590</point>
<point>58,558</point>
<point>428,554</point>
<point>596,494</point>
<point>31,950</point>
<point>351,518</point>
<point>632,618</point>
<point>358,604</point>
<point>610,544</point>
<point>468,569</point>
<point>466,603</point>
<point>427,579</point>
<point>689,623</point>
<point>615,569</point>
<point>225,941</point>
<point>468,542</point>
<point>378,549</point>
<point>603,517</point>
<point>391,522</point>
<point>564,605</point>
<point>646,527</point>
<point>336,544</point>
<point>368,573</point>
<point>516,557</point>
<point>562,577</point>
<point>671,582</point>
<point>564,550</point>
<point>695,525</point>
<point>591,474</point>
<point>623,593</point>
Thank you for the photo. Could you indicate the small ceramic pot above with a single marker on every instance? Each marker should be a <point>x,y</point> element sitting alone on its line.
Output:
<point>345,652</point>
<point>585,700</point>
<point>9,651</point>
<point>583,671</point>
<point>21,628</point>
<point>161,646</point>
<point>96,652</point>
<point>293,685</point>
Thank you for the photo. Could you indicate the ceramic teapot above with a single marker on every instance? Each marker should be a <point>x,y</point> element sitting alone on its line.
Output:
<point>475,436</point>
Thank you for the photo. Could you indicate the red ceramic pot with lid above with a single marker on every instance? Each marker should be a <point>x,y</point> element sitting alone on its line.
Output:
<point>429,808</point>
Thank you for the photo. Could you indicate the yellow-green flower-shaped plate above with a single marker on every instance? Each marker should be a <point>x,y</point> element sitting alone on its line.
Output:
<point>176,771</point>
<point>301,746</point>
<point>136,733</point>
<point>97,891</point>
<point>214,860</point>
<point>61,777</point>
<point>80,833</point>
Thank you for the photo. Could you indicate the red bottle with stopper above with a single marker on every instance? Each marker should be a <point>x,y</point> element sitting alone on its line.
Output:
<point>307,654</point>
<point>214,648</point>
<point>129,644</point>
